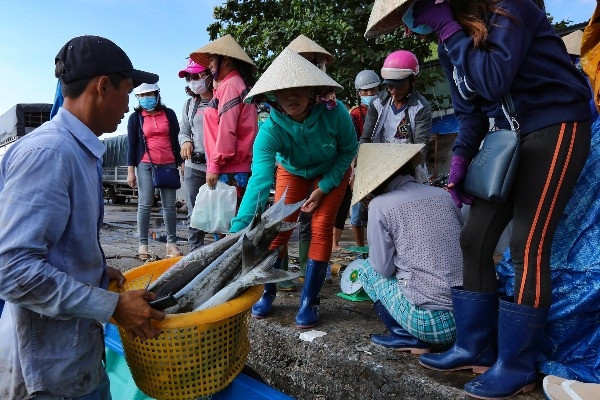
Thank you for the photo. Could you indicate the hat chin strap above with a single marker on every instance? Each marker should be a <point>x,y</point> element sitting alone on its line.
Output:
<point>218,68</point>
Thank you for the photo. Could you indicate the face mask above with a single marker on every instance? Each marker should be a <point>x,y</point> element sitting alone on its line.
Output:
<point>409,20</point>
<point>148,103</point>
<point>198,86</point>
<point>366,100</point>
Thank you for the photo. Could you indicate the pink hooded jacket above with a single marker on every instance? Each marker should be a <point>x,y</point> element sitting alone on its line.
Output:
<point>230,126</point>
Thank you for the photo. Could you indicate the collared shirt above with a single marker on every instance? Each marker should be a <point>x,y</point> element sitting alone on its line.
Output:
<point>158,140</point>
<point>52,269</point>
<point>413,233</point>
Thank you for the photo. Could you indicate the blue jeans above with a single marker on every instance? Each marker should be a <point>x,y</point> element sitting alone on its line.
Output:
<point>193,179</point>
<point>358,215</point>
<point>146,200</point>
<point>102,393</point>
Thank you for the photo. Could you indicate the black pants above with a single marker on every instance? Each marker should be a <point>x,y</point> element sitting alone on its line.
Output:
<point>342,214</point>
<point>549,166</point>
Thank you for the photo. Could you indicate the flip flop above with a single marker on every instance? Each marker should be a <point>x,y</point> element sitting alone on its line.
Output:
<point>557,388</point>
<point>143,256</point>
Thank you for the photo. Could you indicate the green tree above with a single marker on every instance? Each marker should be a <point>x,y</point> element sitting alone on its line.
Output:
<point>264,28</point>
<point>565,23</point>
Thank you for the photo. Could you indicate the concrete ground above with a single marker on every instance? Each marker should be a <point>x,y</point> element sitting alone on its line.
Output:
<point>336,359</point>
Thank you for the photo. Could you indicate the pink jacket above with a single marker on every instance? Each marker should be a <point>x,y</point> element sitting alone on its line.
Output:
<point>230,126</point>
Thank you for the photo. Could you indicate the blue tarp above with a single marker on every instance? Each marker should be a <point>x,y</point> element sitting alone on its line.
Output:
<point>571,347</point>
<point>444,125</point>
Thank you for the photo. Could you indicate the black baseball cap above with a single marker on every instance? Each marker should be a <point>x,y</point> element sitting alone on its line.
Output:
<point>88,56</point>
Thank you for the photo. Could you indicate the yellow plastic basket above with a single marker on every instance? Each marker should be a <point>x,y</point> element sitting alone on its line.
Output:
<point>198,353</point>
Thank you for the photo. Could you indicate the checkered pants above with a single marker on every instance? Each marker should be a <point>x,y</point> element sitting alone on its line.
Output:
<point>431,326</point>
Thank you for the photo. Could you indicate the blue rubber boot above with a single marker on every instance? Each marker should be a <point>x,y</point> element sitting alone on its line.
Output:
<point>519,331</point>
<point>308,314</point>
<point>263,307</point>
<point>399,338</point>
<point>476,315</point>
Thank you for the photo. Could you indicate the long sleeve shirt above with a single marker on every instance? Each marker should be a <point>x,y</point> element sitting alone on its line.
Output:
<point>413,233</point>
<point>230,126</point>
<point>417,113</point>
<point>136,145</point>
<point>323,145</point>
<point>525,59</point>
<point>191,129</point>
<point>52,269</point>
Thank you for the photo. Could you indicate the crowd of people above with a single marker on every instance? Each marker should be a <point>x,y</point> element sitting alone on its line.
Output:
<point>430,271</point>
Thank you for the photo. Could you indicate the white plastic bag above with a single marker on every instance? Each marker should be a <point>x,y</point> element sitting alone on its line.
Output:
<point>214,208</point>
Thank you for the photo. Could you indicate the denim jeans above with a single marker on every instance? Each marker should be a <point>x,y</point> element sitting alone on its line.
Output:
<point>146,200</point>
<point>193,179</point>
<point>358,215</point>
<point>102,393</point>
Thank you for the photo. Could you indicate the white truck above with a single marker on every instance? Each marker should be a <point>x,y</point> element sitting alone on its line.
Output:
<point>114,174</point>
<point>21,119</point>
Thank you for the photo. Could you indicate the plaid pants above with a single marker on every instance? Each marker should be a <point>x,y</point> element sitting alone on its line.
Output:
<point>431,326</point>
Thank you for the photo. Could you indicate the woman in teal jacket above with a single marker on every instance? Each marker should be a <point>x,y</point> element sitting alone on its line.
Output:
<point>313,141</point>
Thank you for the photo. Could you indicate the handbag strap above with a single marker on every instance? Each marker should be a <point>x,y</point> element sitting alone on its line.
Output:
<point>508,108</point>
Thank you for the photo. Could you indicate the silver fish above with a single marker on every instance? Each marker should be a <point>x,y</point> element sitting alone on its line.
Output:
<point>182,272</point>
<point>252,274</point>
<point>253,246</point>
<point>185,270</point>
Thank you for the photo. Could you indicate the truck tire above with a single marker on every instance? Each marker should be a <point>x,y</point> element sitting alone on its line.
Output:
<point>112,193</point>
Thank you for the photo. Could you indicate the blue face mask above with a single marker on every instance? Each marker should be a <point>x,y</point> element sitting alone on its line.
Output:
<point>148,103</point>
<point>409,20</point>
<point>366,100</point>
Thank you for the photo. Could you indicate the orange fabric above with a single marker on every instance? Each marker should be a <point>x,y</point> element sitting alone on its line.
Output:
<point>299,188</point>
<point>590,54</point>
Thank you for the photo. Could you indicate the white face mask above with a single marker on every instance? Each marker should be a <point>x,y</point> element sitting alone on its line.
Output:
<point>198,86</point>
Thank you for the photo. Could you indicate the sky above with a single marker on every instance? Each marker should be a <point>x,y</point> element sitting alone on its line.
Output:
<point>157,35</point>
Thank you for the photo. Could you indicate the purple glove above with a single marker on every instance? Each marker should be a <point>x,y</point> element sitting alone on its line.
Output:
<point>438,15</point>
<point>458,170</point>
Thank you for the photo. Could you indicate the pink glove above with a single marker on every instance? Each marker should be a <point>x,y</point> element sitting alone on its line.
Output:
<point>458,170</point>
<point>438,15</point>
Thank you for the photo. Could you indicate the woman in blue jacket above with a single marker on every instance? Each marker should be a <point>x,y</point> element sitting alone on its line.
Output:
<point>490,49</point>
<point>313,141</point>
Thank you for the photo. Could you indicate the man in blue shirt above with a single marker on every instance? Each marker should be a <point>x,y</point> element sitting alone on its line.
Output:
<point>53,273</point>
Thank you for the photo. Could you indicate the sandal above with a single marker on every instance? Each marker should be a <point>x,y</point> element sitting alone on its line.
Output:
<point>173,250</point>
<point>556,388</point>
<point>143,253</point>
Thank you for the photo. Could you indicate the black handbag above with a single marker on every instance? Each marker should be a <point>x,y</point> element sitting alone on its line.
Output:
<point>163,177</point>
<point>492,172</point>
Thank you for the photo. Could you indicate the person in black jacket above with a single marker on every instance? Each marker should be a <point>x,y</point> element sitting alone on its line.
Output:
<point>492,50</point>
<point>152,133</point>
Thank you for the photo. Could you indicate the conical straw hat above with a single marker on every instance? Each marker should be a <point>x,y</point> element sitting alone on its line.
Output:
<point>573,42</point>
<point>378,161</point>
<point>223,46</point>
<point>310,49</point>
<point>288,70</point>
<point>386,15</point>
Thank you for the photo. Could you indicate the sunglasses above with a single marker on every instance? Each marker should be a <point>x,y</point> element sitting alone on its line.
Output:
<point>192,77</point>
